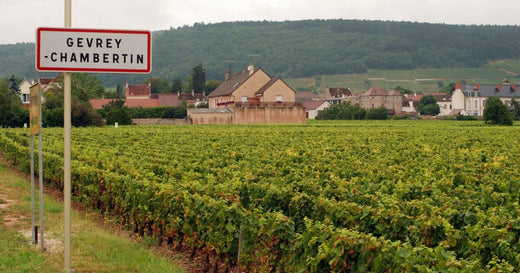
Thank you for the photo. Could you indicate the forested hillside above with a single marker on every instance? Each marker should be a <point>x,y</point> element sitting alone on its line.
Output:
<point>306,48</point>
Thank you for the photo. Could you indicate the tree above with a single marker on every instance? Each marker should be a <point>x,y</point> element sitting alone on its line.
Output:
<point>496,112</point>
<point>515,111</point>
<point>116,111</point>
<point>403,90</point>
<point>428,106</point>
<point>11,112</point>
<point>120,90</point>
<point>83,87</point>
<point>377,113</point>
<point>13,84</point>
<point>344,110</point>
<point>198,77</point>
<point>159,85</point>
<point>212,85</point>
<point>177,85</point>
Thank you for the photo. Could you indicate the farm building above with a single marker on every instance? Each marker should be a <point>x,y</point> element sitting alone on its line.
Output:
<point>253,97</point>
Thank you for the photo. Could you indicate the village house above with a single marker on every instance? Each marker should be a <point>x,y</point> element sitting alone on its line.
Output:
<point>251,96</point>
<point>336,95</point>
<point>377,97</point>
<point>25,87</point>
<point>313,108</point>
<point>471,98</point>
<point>444,102</point>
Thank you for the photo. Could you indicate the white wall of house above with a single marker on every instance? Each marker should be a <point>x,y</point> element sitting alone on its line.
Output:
<point>313,113</point>
<point>25,89</point>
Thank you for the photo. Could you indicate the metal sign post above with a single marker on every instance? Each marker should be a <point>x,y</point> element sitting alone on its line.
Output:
<point>34,129</point>
<point>66,151</point>
<point>40,165</point>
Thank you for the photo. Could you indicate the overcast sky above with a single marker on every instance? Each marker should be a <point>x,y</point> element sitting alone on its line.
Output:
<point>19,19</point>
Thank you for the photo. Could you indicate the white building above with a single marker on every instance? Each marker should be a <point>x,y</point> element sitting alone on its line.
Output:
<point>313,108</point>
<point>471,98</point>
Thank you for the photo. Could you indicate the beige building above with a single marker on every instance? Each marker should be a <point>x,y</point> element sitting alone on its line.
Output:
<point>377,97</point>
<point>252,96</point>
<point>251,85</point>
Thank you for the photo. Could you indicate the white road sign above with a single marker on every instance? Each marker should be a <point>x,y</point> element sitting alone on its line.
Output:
<point>93,50</point>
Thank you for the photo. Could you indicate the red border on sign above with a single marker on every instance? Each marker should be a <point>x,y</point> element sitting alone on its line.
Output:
<point>95,70</point>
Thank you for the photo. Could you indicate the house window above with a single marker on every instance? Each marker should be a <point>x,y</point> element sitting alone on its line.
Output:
<point>279,98</point>
<point>244,98</point>
<point>469,104</point>
<point>25,98</point>
<point>476,104</point>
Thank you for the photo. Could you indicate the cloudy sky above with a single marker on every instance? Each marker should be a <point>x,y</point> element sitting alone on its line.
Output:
<point>19,19</point>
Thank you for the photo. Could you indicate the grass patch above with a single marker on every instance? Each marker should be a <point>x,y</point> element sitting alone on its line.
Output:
<point>95,247</point>
<point>16,255</point>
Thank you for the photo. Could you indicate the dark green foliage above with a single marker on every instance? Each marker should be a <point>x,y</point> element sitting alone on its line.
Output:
<point>116,111</point>
<point>119,115</point>
<point>11,112</point>
<point>158,112</point>
<point>13,84</point>
<point>496,112</point>
<point>83,87</point>
<point>428,106</point>
<point>174,112</point>
<point>515,109</point>
<point>403,90</point>
<point>159,85</point>
<point>83,115</point>
<point>377,113</point>
<point>463,117</point>
<point>344,110</point>
<point>305,48</point>
<point>212,85</point>
<point>176,85</point>
<point>198,77</point>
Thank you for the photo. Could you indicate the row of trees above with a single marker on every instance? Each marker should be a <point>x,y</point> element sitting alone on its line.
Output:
<point>346,110</point>
<point>296,49</point>
<point>495,112</point>
<point>83,88</point>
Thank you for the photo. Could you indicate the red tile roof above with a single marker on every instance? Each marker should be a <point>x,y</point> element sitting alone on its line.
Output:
<point>305,95</point>
<point>234,82</point>
<point>376,91</point>
<point>145,103</point>
<point>139,90</point>
<point>337,92</point>
<point>312,105</point>
<point>380,91</point>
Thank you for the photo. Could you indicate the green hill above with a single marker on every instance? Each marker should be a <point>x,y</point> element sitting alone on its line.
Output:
<point>301,49</point>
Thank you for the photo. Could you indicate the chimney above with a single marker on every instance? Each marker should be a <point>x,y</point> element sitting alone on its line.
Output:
<point>477,86</point>
<point>226,76</point>
<point>458,86</point>
<point>251,69</point>
<point>513,86</point>
<point>192,92</point>
<point>203,93</point>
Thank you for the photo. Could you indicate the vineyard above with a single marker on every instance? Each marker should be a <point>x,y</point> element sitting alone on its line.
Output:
<point>354,196</point>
